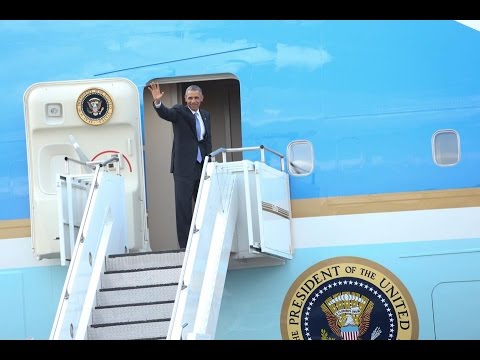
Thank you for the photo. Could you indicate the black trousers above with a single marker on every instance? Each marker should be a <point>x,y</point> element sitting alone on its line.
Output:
<point>186,189</point>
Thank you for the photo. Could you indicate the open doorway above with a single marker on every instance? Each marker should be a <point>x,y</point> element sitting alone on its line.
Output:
<point>222,99</point>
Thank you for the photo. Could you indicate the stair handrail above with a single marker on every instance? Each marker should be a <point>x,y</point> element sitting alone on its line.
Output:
<point>91,246</point>
<point>176,328</point>
<point>202,279</point>
<point>262,149</point>
<point>175,331</point>
<point>92,164</point>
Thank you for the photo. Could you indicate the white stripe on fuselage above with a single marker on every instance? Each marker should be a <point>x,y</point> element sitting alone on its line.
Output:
<point>17,253</point>
<point>388,227</point>
<point>323,231</point>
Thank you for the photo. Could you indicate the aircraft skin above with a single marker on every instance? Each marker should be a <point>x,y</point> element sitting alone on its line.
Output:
<point>368,95</point>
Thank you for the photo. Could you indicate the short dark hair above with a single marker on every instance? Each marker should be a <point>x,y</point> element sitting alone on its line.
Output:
<point>193,88</point>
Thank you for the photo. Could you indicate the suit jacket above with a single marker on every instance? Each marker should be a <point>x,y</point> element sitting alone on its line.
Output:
<point>185,142</point>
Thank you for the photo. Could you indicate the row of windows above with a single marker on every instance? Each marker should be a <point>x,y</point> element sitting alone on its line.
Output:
<point>445,152</point>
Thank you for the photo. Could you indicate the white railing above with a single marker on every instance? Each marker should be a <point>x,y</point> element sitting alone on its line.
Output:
<point>206,258</point>
<point>103,231</point>
<point>199,295</point>
<point>260,148</point>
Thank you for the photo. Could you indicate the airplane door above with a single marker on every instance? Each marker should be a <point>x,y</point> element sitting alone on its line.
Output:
<point>103,117</point>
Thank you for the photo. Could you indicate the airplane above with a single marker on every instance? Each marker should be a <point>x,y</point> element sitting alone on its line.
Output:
<point>346,153</point>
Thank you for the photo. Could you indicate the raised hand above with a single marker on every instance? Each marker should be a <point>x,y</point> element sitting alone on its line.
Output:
<point>156,92</point>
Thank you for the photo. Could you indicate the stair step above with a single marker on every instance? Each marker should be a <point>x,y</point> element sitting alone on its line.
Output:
<point>133,312</point>
<point>133,261</point>
<point>137,294</point>
<point>151,329</point>
<point>132,278</point>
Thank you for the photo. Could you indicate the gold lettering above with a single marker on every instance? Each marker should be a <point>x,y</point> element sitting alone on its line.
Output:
<point>293,314</point>
<point>294,303</point>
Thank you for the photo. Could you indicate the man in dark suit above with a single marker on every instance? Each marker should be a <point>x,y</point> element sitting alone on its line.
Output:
<point>191,143</point>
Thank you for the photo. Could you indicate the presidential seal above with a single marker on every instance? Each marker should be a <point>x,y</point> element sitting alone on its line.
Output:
<point>348,298</point>
<point>95,106</point>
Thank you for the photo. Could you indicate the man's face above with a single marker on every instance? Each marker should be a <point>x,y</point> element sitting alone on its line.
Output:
<point>193,99</point>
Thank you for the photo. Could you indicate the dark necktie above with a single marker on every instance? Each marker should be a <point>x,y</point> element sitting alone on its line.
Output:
<point>199,136</point>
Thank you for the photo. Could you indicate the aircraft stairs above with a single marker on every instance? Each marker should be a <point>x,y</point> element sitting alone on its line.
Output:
<point>241,219</point>
<point>136,296</point>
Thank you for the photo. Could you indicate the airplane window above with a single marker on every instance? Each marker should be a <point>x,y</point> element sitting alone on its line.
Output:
<point>446,147</point>
<point>300,157</point>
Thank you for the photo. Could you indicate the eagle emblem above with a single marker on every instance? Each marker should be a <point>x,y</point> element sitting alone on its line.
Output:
<point>95,106</point>
<point>348,314</point>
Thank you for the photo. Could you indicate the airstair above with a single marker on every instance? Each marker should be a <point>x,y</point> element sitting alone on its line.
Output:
<point>241,219</point>
<point>136,297</point>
